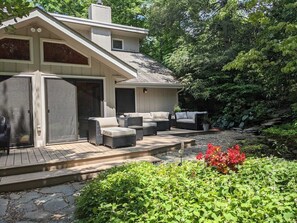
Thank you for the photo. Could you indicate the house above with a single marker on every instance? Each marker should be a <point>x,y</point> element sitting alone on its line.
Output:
<point>57,70</point>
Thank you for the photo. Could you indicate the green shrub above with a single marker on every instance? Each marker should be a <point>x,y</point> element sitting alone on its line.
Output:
<point>283,139</point>
<point>263,190</point>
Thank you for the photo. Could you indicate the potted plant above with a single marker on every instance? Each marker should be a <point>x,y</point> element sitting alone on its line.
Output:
<point>206,122</point>
<point>176,108</point>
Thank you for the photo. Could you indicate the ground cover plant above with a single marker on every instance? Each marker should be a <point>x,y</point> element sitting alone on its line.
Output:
<point>279,140</point>
<point>262,190</point>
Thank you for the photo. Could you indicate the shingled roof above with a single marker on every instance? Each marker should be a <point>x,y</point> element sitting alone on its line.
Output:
<point>149,71</point>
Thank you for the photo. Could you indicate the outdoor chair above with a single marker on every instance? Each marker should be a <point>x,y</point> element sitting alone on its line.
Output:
<point>190,120</point>
<point>106,131</point>
<point>4,133</point>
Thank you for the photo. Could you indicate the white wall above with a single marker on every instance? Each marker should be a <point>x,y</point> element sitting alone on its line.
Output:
<point>131,44</point>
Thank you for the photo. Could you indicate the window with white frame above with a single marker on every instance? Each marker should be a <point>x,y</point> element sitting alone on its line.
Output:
<point>59,52</point>
<point>117,44</point>
<point>15,48</point>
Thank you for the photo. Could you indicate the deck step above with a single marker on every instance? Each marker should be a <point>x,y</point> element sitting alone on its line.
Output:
<point>76,173</point>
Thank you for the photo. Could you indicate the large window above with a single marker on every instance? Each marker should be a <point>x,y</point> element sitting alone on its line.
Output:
<point>61,53</point>
<point>15,49</point>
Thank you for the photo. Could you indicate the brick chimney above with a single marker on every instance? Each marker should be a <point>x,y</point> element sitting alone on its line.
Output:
<point>99,12</point>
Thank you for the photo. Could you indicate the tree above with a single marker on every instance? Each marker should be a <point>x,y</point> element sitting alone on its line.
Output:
<point>236,57</point>
<point>13,9</point>
<point>128,12</point>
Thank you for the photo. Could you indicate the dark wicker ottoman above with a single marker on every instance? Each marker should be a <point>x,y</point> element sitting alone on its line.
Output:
<point>149,128</point>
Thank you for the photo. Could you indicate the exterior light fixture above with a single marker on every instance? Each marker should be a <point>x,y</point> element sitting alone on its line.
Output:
<point>144,90</point>
<point>34,29</point>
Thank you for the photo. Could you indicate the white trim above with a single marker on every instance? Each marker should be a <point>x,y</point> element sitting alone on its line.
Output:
<point>150,85</point>
<point>31,61</point>
<point>123,47</point>
<point>42,40</point>
<point>106,57</point>
<point>89,22</point>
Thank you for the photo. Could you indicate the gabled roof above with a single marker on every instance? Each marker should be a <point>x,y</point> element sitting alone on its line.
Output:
<point>150,72</point>
<point>101,54</point>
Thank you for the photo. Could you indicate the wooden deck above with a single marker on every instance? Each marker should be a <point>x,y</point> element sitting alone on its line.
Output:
<point>79,150</point>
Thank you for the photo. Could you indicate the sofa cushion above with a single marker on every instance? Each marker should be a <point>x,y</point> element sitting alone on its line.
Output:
<point>161,120</point>
<point>149,124</point>
<point>181,115</point>
<point>148,120</point>
<point>160,115</point>
<point>187,120</point>
<point>117,131</point>
<point>107,122</point>
<point>191,115</point>
<point>134,114</point>
<point>146,115</point>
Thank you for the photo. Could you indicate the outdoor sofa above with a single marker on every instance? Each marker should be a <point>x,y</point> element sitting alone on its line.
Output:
<point>4,133</point>
<point>163,119</point>
<point>106,131</point>
<point>148,128</point>
<point>190,120</point>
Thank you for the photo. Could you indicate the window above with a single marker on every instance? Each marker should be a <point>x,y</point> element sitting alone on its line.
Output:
<point>117,44</point>
<point>15,49</point>
<point>61,53</point>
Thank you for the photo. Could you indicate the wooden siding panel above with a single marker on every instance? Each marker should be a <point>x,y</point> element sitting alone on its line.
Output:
<point>156,99</point>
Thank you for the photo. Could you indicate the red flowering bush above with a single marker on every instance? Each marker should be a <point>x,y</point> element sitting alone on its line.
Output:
<point>222,161</point>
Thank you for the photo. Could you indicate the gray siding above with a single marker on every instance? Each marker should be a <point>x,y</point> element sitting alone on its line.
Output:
<point>156,99</point>
<point>131,44</point>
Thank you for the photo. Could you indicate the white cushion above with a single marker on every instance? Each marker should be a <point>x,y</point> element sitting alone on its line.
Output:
<point>161,120</point>
<point>145,115</point>
<point>107,122</point>
<point>148,120</point>
<point>160,115</point>
<point>181,115</point>
<point>186,120</point>
<point>118,131</point>
<point>132,114</point>
<point>149,124</point>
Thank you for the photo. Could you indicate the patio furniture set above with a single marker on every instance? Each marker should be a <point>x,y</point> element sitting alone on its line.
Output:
<point>125,130</point>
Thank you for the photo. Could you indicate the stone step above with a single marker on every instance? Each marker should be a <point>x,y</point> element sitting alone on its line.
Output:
<point>59,176</point>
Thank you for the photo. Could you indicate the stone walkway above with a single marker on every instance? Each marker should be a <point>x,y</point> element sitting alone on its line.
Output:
<point>48,204</point>
<point>56,204</point>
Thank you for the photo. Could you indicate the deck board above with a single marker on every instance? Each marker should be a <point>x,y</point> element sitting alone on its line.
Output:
<point>79,150</point>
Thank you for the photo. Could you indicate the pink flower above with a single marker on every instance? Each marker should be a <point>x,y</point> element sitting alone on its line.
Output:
<point>200,156</point>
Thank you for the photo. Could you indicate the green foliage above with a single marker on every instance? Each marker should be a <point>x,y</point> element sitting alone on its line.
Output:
<point>128,12</point>
<point>13,9</point>
<point>263,190</point>
<point>176,108</point>
<point>283,139</point>
<point>78,8</point>
<point>239,55</point>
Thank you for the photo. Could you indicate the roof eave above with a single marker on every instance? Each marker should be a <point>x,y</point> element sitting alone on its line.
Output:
<point>151,85</point>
